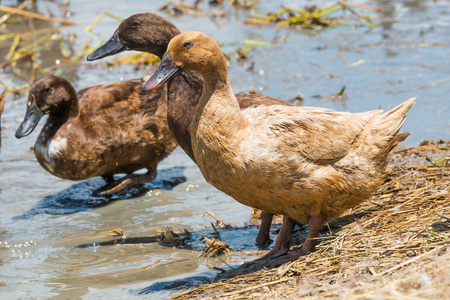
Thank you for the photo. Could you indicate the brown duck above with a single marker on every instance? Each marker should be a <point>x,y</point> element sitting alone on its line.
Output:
<point>100,131</point>
<point>151,33</point>
<point>309,165</point>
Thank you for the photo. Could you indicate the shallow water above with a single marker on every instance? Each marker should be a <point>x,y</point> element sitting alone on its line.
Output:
<point>43,218</point>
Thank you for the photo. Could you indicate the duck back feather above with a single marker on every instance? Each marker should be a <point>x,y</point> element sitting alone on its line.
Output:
<point>380,135</point>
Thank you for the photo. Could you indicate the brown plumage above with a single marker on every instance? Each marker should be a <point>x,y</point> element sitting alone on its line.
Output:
<point>151,33</point>
<point>2,106</point>
<point>100,131</point>
<point>308,164</point>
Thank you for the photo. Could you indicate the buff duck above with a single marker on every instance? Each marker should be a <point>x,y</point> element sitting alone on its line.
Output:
<point>100,131</point>
<point>151,33</point>
<point>309,165</point>
<point>2,106</point>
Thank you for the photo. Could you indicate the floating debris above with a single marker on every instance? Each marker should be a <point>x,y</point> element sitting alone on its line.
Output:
<point>312,17</point>
<point>219,223</point>
<point>242,53</point>
<point>243,3</point>
<point>25,47</point>
<point>179,8</point>
<point>434,83</point>
<point>115,232</point>
<point>136,59</point>
<point>167,236</point>
<point>20,11</point>
<point>214,247</point>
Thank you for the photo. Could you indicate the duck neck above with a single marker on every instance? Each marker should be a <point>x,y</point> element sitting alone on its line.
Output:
<point>218,110</point>
<point>184,91</point>
<point>68,108</point>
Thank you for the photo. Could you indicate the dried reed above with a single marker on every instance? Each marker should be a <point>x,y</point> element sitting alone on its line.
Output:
<point>395,245</point>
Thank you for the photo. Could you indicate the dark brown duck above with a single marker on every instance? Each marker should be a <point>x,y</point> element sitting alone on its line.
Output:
<point>100,131</point>
<point>151,33</point>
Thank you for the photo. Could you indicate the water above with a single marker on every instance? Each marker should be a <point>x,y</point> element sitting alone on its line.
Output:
<point>44,219</point>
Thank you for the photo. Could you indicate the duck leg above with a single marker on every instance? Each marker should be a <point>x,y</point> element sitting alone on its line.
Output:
<point>263,236</point>
<point>314,224</point>
<point>124,182</point>
<point>283,241</point>
<point>108,178</point>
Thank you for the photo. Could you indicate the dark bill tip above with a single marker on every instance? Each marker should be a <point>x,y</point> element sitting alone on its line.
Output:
<point>111,47</point>
<point>32,117</point>
<point>166,70</point>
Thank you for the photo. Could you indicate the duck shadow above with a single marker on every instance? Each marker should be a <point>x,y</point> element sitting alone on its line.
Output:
<point>79,197</point>
<point>194,281</point>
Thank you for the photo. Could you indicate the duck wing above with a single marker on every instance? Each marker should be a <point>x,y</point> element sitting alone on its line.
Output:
<point>121,109</point>
<point>125,96</point>
<point>319,136</point>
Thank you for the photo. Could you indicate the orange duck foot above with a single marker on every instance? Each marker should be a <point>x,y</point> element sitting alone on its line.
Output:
<point>120,184</point>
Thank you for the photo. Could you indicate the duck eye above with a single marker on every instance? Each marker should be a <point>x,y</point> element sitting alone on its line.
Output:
<point>47,90</point>
<point>134,24</point>
<point>188,45</point>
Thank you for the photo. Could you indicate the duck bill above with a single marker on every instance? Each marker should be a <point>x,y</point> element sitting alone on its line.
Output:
<point>166,70</point>
<point>32,117</point>
<point>111,47</point>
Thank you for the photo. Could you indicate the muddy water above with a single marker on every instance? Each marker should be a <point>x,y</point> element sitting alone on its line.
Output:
<point>44,220</point>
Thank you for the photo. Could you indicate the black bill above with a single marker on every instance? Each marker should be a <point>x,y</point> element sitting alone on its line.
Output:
<point>32,117</point>
<point>111,47</point>
<point>165,71</point>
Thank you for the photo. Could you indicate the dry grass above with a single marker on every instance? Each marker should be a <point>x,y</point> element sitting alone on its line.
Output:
<point>394,246</point>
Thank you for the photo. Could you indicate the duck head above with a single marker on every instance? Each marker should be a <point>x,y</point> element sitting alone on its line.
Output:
<point>191,50</point>
<point>49,95</point>
<point>146,32</point>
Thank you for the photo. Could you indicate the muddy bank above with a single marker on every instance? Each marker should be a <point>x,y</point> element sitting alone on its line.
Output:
<point>396,244</point>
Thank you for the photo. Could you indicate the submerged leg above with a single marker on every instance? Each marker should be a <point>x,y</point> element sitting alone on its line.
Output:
<point>124,182</point>
<point>314,224</point>
<point>283,240</point>
<point>263,236</point>
<point>108,178</point>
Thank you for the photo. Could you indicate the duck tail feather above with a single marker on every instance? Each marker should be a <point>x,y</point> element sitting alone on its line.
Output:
<point>381,133</point>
